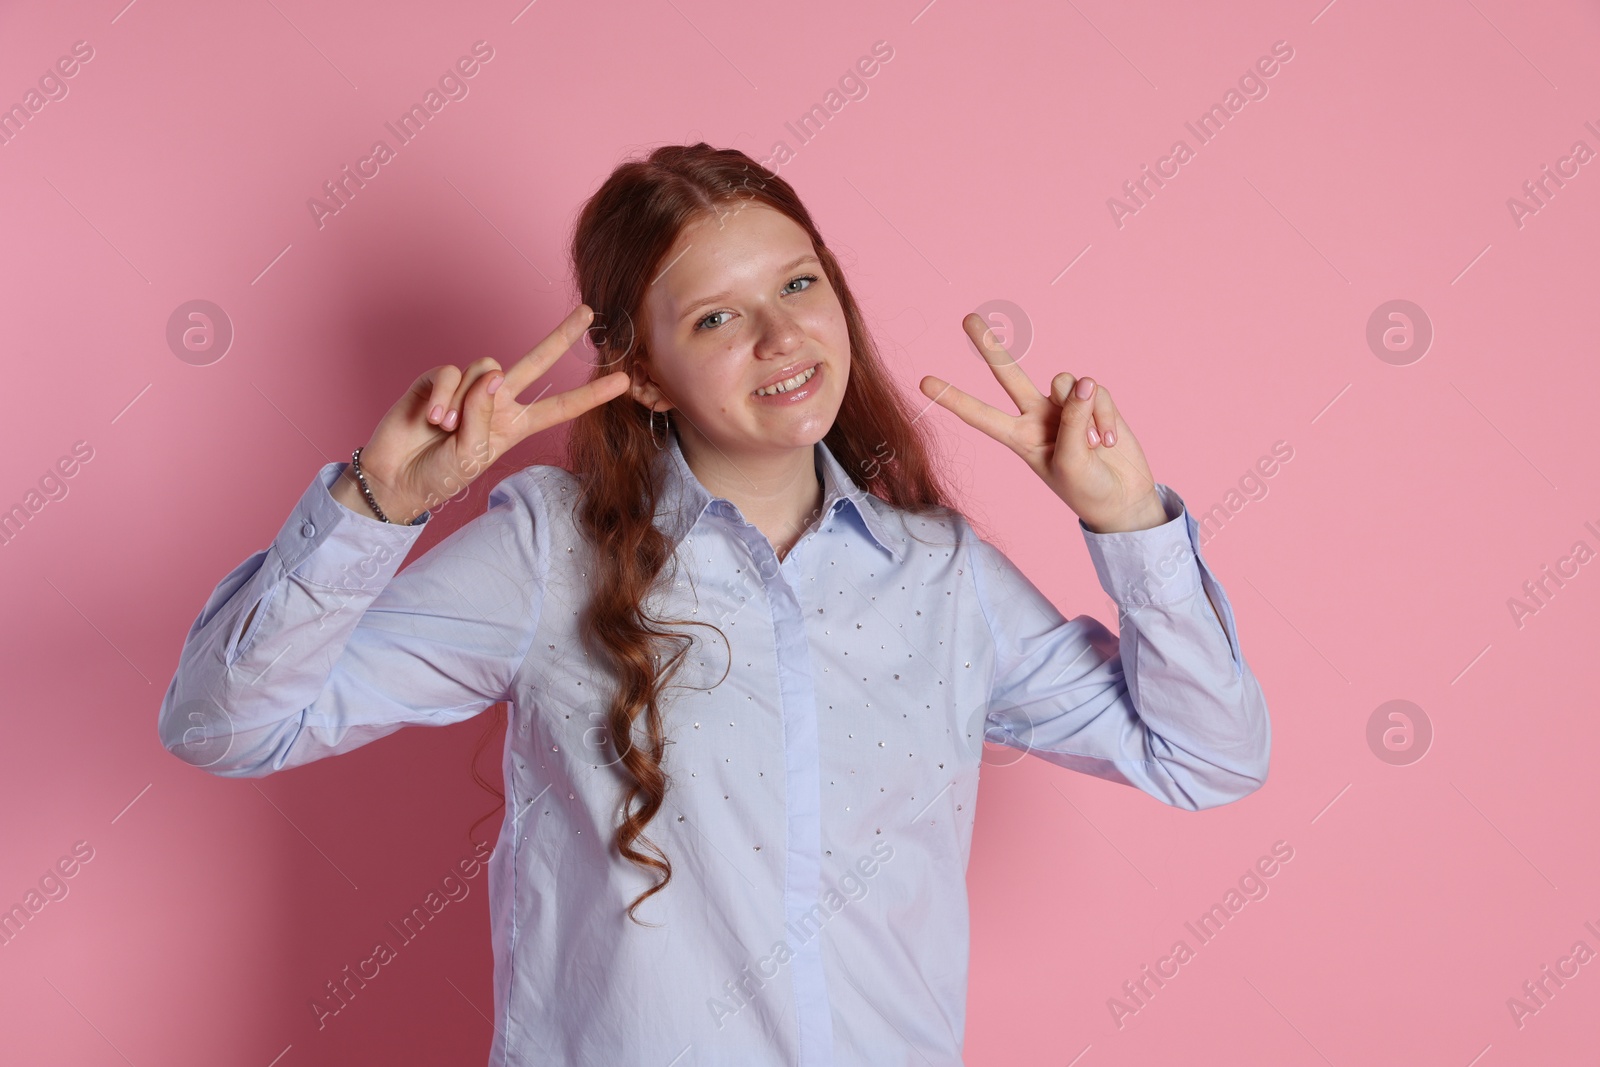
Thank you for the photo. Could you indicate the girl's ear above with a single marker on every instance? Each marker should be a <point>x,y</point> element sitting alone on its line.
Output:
<point>647,392</point>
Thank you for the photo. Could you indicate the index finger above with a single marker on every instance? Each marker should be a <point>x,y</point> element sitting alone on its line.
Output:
<point>1013,379</point>
<point>968,408</point>
<point>553,410</point>
<point>526,370</point>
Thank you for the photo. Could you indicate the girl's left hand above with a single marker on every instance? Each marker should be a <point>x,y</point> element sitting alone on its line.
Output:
<point>1079,445</point>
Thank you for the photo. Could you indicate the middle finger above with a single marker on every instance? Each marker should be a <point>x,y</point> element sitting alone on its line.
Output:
<point>1013,379</point>
<point>555,344</point>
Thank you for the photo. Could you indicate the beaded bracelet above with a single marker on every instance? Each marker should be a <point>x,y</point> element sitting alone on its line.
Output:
<point>366,490</point>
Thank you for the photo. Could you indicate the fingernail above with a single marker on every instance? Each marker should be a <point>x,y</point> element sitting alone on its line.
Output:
<point>1094,436</point>
<point>437,413</point>
<point>449,421</point>
<point>1085,388</point>
<point>1111,437</point>
<point>495,384</point>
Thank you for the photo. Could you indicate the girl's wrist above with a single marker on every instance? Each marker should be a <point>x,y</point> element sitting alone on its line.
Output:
<point>1148,516</point>
<point>347,491</point>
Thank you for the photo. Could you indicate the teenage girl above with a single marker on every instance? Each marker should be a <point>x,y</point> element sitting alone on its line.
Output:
<point>750,652</point>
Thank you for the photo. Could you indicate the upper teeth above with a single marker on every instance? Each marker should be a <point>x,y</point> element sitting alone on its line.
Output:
<point>788,383</point>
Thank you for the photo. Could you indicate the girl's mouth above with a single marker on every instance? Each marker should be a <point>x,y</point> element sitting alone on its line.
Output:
<point>791,389</point>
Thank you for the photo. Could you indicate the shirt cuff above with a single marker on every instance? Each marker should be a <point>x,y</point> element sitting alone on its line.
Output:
<point>325,543</point>
<point>1154,566</point>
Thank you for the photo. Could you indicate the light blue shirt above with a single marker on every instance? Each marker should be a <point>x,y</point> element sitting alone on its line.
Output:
<point>821,797</point>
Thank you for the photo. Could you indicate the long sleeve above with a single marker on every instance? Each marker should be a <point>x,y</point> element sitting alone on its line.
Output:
<point>342,649</point>
<point>1171,707</point>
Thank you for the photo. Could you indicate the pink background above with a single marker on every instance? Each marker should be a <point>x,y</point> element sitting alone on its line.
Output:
<point>1228,314</point>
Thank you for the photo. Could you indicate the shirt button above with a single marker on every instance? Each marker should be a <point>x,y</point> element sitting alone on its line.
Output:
<point>308,530</point>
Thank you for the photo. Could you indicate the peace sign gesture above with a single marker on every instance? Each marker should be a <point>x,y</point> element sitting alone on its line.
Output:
<point>451,425</point>
<point>1074,439</point>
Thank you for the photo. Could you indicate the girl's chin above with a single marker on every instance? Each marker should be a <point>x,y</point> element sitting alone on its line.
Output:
<point>777,434</point>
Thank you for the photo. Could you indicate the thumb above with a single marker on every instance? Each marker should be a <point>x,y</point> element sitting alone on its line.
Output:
<point>1076,411</point>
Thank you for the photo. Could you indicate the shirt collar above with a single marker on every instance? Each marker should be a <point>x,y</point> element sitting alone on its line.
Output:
<point>684,500</point>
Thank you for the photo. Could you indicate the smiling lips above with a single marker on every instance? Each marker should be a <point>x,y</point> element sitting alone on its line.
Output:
<point>789,383</point>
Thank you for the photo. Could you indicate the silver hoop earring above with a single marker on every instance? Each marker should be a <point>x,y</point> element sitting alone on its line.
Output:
<point>658,444</point>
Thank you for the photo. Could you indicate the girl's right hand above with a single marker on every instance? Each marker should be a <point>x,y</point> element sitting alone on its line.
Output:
<point>451,425</point>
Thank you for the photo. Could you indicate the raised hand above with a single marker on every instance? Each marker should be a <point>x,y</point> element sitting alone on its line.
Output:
<point>451,425</point>
<point>1079,444</point>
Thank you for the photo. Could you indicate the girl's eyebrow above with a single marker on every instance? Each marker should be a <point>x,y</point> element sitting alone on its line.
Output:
<point>714,297</point>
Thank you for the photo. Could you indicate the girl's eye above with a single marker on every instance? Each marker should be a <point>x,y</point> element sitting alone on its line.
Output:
<point>810,279</point>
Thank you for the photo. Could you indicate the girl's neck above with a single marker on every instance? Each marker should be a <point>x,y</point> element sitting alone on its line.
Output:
<point>779,493</point>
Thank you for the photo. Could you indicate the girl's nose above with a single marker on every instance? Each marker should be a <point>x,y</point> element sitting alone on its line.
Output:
<point>779,331</point>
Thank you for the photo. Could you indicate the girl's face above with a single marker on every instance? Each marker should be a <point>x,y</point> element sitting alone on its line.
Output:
<point>741,303</point>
